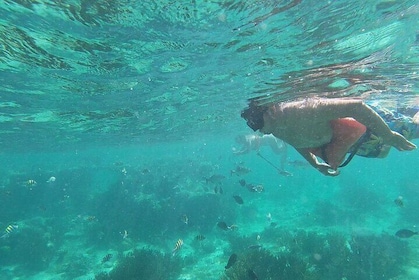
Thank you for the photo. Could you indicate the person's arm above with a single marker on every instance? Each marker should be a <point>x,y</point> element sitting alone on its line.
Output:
<point>243,150</point>
<point>246,144</point>
<point>284,154</point>
<point>320,166</point>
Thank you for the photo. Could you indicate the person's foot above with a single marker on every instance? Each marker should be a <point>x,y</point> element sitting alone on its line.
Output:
<point>401,143</point>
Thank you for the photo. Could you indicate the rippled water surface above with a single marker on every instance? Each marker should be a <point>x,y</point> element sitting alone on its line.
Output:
<point>119,71</point>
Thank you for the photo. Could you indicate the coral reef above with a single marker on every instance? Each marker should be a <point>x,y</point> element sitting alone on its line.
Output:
<point>145,264</point>
<point>267,266</point>
<point>310,255</point>
<point>73,266</point>
<point>29,248</point>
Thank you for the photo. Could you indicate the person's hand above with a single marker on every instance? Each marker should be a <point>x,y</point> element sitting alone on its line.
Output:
<point>326,169</point>
<point>400,143</point>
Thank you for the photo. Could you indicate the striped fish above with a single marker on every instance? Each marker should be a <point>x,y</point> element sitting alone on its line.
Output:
<point>178,246</point>
<point>9,230</point>
<point>199,237</point>
<point>31,182</point>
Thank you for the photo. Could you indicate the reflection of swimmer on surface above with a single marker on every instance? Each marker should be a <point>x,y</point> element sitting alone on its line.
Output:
<point>253,142</point>
<point>322,128</point>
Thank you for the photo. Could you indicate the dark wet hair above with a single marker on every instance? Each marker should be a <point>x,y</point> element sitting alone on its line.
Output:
<point>254,115</point>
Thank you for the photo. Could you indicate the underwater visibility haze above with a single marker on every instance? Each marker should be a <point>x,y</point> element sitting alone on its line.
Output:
<point>120,140</point>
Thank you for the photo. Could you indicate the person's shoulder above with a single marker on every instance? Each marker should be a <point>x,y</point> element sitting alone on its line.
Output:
<point>341,101</point>
<point>333,101</point>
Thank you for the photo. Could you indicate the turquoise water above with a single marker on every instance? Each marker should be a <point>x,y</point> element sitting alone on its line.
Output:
<point>114,115</point>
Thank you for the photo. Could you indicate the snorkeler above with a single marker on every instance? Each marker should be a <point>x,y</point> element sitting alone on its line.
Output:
<point>253,142</point>
<point>322,128</point>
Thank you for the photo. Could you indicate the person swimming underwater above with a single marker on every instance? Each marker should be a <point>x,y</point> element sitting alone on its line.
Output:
<point>254,142</point>
<point>322,128</point>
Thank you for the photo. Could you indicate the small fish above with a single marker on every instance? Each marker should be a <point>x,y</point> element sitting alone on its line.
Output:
<point>215,179</point>
<point>216,189</point>
<point>399,201</point>
<point>256,188</point>
<point>231,261</point>
<point>31,183</point>
<point>240,170</point>
<point>200,237</point>
<point>242,182</point>
<point>274,224</point>
<point>406,233</point>
<point>233,227</point>
<point>9,230</point>
<point>124,234</point>
<point>238,199</point>
<point>255,246</point>
<point>106,258</point>
<point>269,217</point>
<point>90,218</point>
<point>252,275</point>
<point>145,171</point>
<point>177,247</point>
<point>223,226</point>
<point>184,219</point>
<point>51,179</point>
<point>221,190</point>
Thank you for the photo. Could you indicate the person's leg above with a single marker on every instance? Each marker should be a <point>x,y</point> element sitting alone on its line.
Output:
<point>346,132</point>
